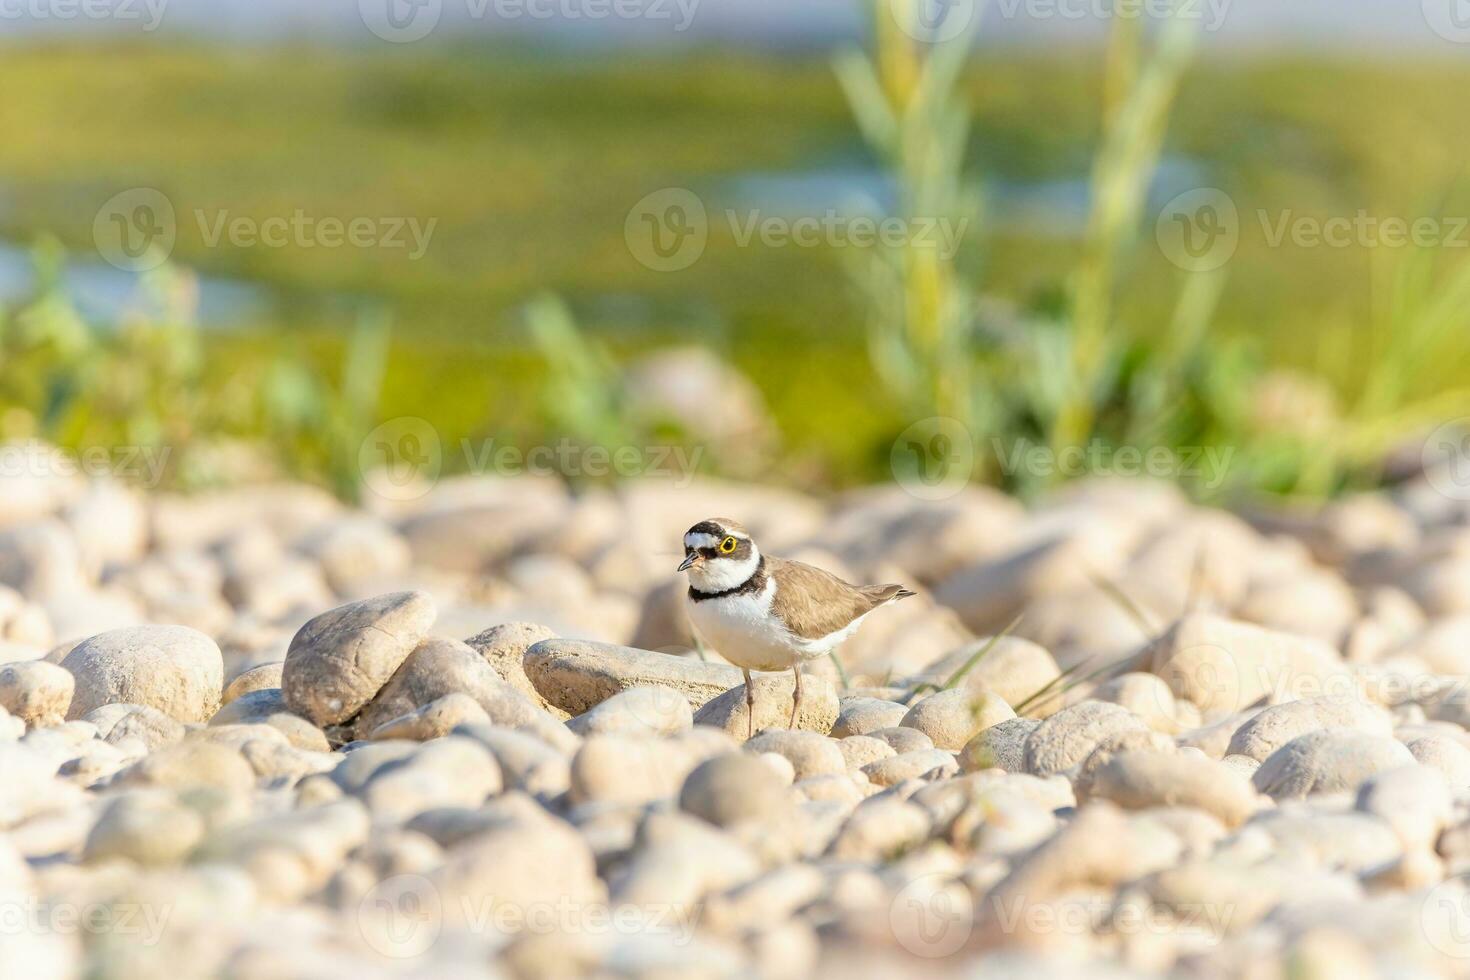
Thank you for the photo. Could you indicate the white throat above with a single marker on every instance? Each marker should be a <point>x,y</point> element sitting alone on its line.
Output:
<point>722,574</point>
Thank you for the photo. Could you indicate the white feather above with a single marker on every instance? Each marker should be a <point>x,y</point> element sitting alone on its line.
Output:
<point>746,632</point>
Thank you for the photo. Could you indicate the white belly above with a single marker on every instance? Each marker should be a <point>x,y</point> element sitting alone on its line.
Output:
<point>741,629</point>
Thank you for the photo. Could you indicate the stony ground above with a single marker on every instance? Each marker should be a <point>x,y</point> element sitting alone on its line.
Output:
<point>261,735</point>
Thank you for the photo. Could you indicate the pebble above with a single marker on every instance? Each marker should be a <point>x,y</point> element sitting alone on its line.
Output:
<point>902,739</point>
<point>434,720</point>
<point>576,675</point>
<point>1414,800</point>
<point>438,668</point>
<point>504,648</point>
<point>268,707</point>
<point>953,718</point>
<point>1222,665</point>
<point>447,772</point>
<point>1327,761</point>
<point>638,710</point>
<point>1001,746</point>
<point>629,769</point>
<point>147,827</point>
<point>1070,735</point>
<point>36,692</point>
<point>262,678</point>
<point>1450,757</point>
<point>528,763</point>
<point>152,728</point>
<point>864,715</point>
<point>339,660</point>
<point>859,750</point>
<point>810,754</point>
<point>880,829</point>
<point>733,788</point>
<point>773,700</point>
<point>189,764</point>
<point>1013,669</point>
<point>174,669</point>
<point>923,763</point>
<point>1279,724</point>
<point>1142,779</point>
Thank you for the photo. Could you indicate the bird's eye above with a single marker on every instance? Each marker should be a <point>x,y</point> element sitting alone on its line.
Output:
<point>727,546</point>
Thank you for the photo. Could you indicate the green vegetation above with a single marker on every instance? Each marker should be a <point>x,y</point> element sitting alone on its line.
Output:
<point>529,162</point>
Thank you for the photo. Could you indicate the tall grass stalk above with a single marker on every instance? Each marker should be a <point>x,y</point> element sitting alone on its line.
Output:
<point>906,99</point>
<point>1141,86</point>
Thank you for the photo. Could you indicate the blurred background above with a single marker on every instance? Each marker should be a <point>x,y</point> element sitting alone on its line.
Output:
<point>825,243</point>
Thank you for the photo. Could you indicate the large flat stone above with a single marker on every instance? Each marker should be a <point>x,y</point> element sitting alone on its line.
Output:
<point>577,675</point>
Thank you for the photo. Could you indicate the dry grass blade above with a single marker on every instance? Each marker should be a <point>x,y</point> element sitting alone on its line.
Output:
<point>841,670</point>
<point>1069,679</point>
<point>1196,579</point>
<point>1115,592</point>
<point>966,667</point>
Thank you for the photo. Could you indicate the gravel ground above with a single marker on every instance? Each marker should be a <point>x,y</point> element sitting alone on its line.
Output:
<point>465,732</point>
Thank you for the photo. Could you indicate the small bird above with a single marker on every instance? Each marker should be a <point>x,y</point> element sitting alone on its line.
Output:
<point>766,613</point>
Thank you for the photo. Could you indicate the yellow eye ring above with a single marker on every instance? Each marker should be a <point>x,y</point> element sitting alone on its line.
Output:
<point>727,546</point>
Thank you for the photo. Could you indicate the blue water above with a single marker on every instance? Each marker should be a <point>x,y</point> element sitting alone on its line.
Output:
<point>103,294</point>
<point>1057,208</point>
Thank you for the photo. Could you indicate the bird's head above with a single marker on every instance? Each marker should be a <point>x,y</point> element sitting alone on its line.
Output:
<point>718,555</point>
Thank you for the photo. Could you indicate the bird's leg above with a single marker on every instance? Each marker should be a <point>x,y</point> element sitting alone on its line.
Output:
<point>749,705</point>
<point>795,698</point>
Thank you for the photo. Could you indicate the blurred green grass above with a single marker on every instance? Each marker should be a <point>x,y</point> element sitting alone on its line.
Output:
<point>529,160</point>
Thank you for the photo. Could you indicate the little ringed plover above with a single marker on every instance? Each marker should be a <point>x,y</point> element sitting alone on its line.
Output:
<point>767,613</point>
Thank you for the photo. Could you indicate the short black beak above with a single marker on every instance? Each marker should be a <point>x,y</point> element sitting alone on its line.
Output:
<point>689,559</point>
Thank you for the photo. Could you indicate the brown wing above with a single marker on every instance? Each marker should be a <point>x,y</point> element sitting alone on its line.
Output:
<point>813,602</point>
